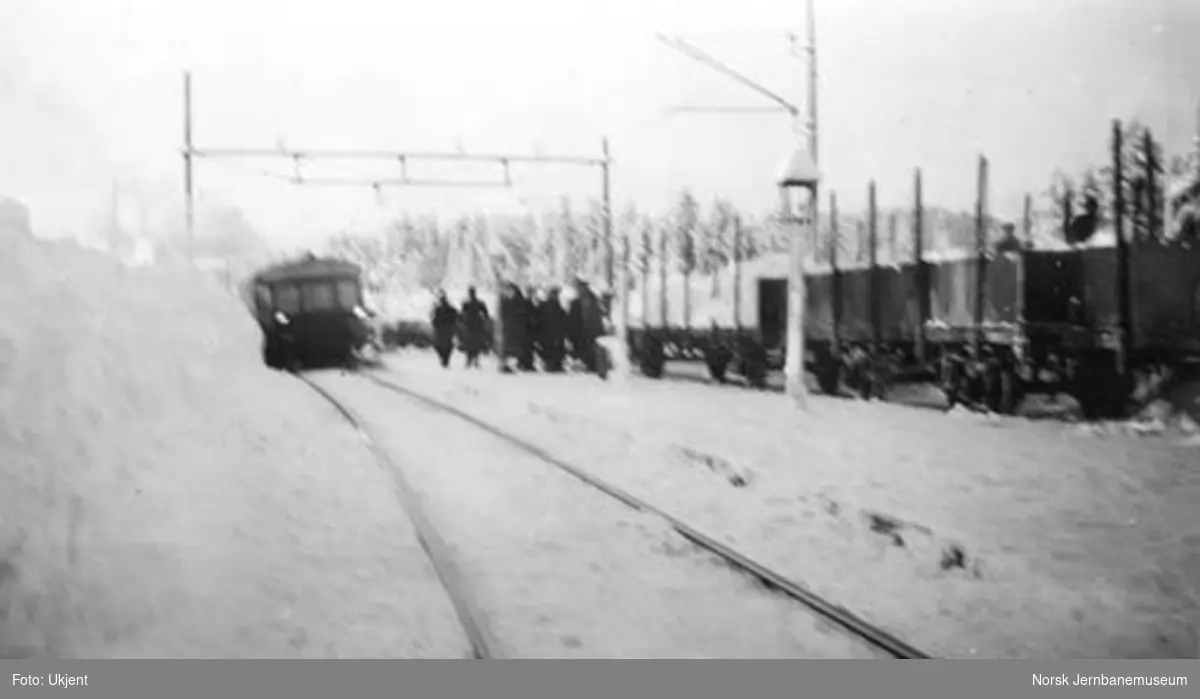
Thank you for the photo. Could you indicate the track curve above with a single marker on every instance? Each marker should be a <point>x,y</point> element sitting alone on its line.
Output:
<point>773,580</point>
<point>484,646</point>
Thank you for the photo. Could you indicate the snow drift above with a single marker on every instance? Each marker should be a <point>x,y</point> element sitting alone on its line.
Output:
<point>157,500</point>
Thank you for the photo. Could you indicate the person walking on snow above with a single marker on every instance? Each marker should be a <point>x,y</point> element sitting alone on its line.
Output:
<point>586,322</point>
<point>474,327</point>
<point>514,312</point>
<point>552,331</point>
<point>528,349</point>
<point>445,324</point>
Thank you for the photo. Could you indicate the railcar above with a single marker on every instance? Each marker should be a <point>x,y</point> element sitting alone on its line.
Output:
<point>311,311</point>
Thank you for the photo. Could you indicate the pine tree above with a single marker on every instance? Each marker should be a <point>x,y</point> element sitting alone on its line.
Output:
<point>435,258</point>
<point>628,241</point>
<point>752,235</point>
<point>718,248</point>
<point>664,264</point>
<point>595,253</point>
<point>543,247</point>
<point>645,258</point>
<point>686,222</point>
<point>572,250</point>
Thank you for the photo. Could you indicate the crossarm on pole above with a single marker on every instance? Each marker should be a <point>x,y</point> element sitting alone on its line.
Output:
<point>697,54</point>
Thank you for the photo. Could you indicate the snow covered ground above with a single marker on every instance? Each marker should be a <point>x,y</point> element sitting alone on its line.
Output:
<point>165,495</point>
<point>565,571</point>
<point>968,536</point>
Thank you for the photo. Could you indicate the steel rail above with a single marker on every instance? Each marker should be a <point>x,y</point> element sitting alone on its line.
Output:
<point>771,579</point>
<point>483,645</point>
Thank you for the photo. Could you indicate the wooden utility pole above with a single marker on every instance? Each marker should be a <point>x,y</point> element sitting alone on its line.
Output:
<point>1027,221</point>
<point>623,280</point>
<point>619,287</point>
<point>1152,192</point>
<point>893,243</point>
<point>793,370</point>
<point>873,260</point>
<point>813,142</point>
<point>608,218</point>
<point>645,254</point>
<point>1124,290</point>
<point>189,195</point>
<point>981,212</point>
<point>663,266</point>
<point>808,229</point>
<point>835,278</point>
<point>918,234</point>
<point>737,273</point>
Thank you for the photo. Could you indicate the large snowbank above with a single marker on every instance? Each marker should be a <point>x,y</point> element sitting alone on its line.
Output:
<point>164,495</point>
<point>968,536</point>
<point>14,218</point>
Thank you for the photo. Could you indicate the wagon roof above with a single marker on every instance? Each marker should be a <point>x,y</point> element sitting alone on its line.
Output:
<point>308,269</point>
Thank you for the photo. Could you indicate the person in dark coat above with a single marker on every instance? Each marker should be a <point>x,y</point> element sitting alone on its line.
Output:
<point>513,311</point>
<point>552,331</point>
<point>1010,242</point>
<point>528,349</point>
<point>474,330</point>
<point>586,325</point>
<point>445,324</point>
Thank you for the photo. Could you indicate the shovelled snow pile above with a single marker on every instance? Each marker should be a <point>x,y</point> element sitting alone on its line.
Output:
<point>164,495</point>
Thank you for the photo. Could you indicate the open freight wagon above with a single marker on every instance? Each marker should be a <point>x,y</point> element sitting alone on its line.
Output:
<point>1037,320</point>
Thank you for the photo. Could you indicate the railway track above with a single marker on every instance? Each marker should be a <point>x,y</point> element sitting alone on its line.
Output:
<point>483,645</point>
<point>486,647</point>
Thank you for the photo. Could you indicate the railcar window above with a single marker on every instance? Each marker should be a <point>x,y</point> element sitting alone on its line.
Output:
<point>347,292</point>
<point>262,294</point>
<point>287,299</point>
<point>319,297</point>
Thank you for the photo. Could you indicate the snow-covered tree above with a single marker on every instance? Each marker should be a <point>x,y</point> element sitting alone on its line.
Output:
<point>686,222</point>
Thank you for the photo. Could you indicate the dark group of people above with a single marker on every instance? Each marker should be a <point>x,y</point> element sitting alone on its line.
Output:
<point>534,326</point>
<point>471,325</point>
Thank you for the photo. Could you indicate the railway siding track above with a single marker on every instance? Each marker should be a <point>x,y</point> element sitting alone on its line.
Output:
<point>771,579</point>
<point>484,645</point>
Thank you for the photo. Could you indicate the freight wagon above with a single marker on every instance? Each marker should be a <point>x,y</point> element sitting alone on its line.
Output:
<point>987,328</point>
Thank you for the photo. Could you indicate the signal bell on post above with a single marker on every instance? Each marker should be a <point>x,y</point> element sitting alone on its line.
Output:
<point>800,171</point>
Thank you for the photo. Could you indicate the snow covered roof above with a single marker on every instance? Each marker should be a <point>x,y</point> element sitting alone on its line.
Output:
<point>306,269</point>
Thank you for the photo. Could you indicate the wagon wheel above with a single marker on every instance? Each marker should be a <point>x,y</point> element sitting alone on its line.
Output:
<point>863,378</point>
<point>883,371</point>
<point>755,370</point>
<point>718,359</point>
<point>602,362</point>
<point>652,360</point>
<point>1098,387</point>
<point>1008,392</point>
<point>994,388</point>
<point>951,383</point>
<point>829,376</point>
<point>864,383</point>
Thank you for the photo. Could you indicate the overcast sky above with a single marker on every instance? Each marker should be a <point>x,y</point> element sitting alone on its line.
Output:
<point>90,93</point>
